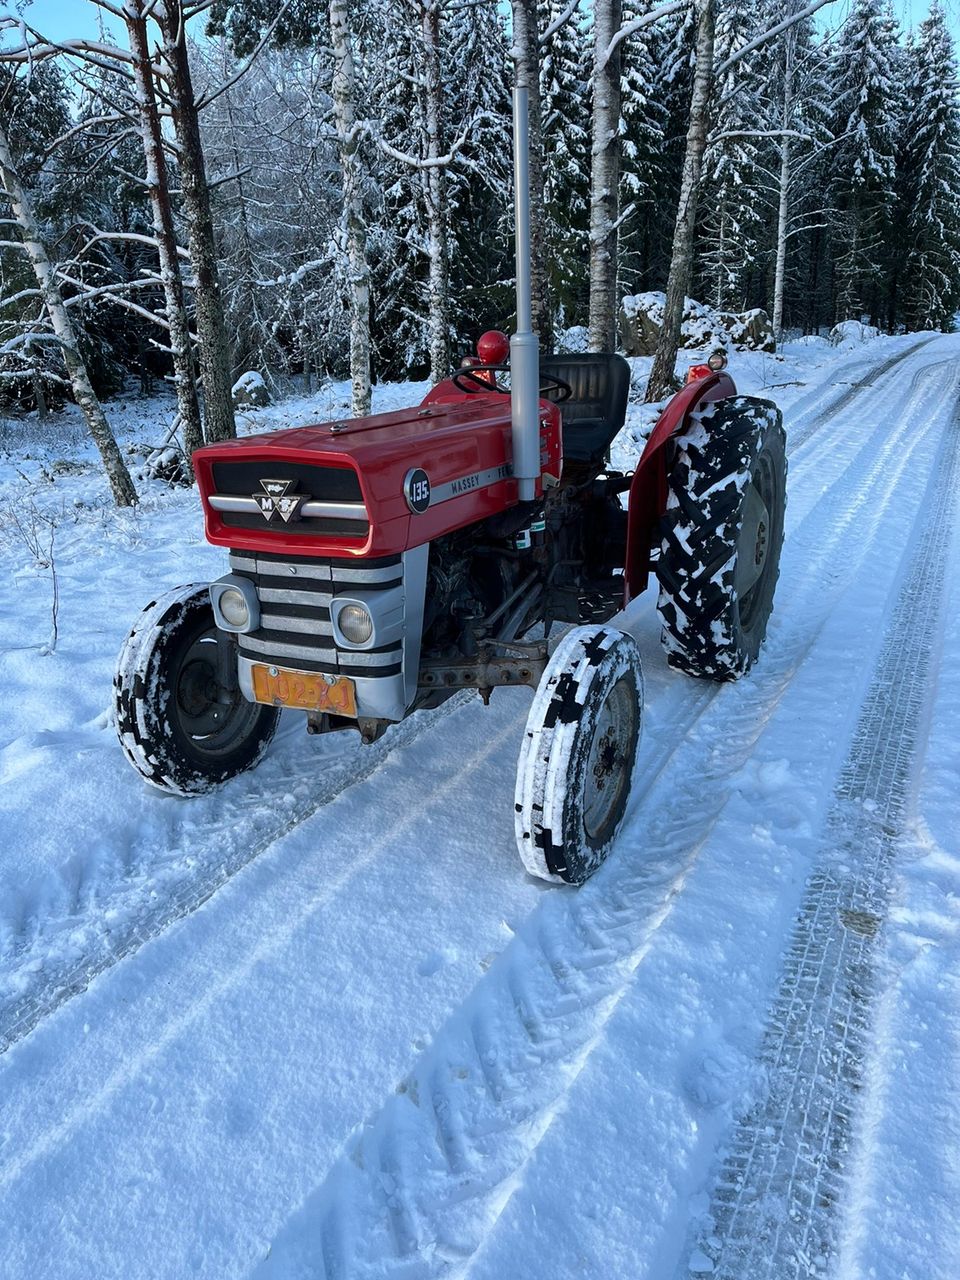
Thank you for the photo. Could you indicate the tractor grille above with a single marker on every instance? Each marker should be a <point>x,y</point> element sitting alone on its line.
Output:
<point>331,502</point>
<point>295,595</point>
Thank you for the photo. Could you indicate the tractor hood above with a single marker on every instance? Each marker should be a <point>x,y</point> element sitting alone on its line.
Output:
<point>367,487</point>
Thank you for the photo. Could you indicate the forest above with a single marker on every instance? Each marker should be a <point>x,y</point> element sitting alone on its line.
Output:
<point>325,191</point>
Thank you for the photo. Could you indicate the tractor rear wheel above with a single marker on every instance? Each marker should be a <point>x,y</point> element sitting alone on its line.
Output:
<point>578,754</point>
<point>181,718</point>
<point>721,538</point>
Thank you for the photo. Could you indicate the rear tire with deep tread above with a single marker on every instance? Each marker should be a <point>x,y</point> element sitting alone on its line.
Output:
<point>721,537</point>
<point>578,754</point>
<point>183,726</point>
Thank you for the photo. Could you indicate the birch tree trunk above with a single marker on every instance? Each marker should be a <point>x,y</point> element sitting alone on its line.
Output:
<point>158,189</point>
<point>783,200</point>
<point>248,272</point>
<point>661,381</point>
<point>343,91</point>
<point>121,485</point>
<point>219,423</point>
<point>434,186</point>
<point>604,178</point>
<point>526,60</point>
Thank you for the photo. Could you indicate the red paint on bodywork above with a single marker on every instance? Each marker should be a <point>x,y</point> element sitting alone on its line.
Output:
<point>448,437</point>
<point>648,490</point>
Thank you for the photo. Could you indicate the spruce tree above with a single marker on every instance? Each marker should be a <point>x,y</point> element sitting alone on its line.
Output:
<point>565,111</point>
<point>864,159</point>
<point>732,224</point>
<point>643,140</point>
<point>477,103</point>
<point>671,42</point>
<point>931,180</point>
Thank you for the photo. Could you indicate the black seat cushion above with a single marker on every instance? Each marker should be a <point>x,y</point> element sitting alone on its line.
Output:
<point>596,410</point>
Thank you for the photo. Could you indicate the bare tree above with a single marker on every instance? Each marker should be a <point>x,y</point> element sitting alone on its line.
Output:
<point>215,363</point>
<point>801,141</point>
<point>604,176</point>
<point>433,180</point>
<point>662,374</point>
<point>139,82</point>
<point>430,165</point>
<point>121,484</point>
<point>783,191</point>
<point>158,189</point>
<point>343,90</point>
<point>605,218</point>
<point>681,260</point>
<point>526,61</point>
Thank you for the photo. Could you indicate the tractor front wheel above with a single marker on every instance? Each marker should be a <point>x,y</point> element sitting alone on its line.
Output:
<point>721,538</point>
<point>181,718</point>
<point>578,754</point>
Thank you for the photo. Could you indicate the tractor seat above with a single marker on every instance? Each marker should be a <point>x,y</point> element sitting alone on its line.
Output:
<point>596,410</point>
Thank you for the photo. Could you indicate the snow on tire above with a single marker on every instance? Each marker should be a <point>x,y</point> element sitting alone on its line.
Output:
<point>181,718</point>
<point>721,536</point>
<point>578,754</point>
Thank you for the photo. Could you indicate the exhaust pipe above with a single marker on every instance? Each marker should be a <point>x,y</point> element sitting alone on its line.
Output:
<point>524,344</point>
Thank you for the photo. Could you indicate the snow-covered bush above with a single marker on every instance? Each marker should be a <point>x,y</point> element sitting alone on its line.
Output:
<point>573,341</point>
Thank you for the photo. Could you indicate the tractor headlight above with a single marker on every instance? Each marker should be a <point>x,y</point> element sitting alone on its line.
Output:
<point>235,604</point>
<point>717,360</point>
<point>234,607</point>
<point>355,624</point>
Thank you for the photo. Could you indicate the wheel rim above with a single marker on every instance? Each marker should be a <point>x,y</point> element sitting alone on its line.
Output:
<point>213,716</point>
<point>610,762</point>
<point>754,547</point>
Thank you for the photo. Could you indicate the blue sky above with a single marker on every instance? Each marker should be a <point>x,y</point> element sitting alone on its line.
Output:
<point>63,18</point>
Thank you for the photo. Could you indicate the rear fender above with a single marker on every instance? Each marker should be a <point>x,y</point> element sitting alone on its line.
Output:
<point>648,490</point>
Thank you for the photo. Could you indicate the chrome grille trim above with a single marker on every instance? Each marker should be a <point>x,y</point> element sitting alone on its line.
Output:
<point>296,630</point>
<point>364,658</point>
<point>278,595</point>
<point>279,649</point>
<point>314,569</point>
<point>312,510</point>
<point>334,511</point>
<point>348,574</point>
<point>303,626</point>
<point>283,649</point>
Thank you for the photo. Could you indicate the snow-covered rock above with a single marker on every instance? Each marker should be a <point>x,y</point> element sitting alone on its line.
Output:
<point>641,319</point>
<point>250,391</point>
<point>850,333</point>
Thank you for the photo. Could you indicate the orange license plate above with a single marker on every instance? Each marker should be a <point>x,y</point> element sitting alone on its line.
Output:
<point>306,690</point>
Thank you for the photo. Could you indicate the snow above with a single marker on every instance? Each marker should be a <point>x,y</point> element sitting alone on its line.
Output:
<point>320,1022</point>
<point>249,381</point>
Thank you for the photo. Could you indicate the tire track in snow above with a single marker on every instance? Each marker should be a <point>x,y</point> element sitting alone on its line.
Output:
<point>776,1203</point>
<point>418,1187</point>
<point>18,1016</point>
<point>80,1108</point>
<point>807,422</point>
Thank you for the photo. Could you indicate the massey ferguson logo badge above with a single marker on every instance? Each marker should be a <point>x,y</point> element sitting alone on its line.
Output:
<point>277,500</point>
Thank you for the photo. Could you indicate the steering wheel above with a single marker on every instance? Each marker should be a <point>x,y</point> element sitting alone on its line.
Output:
<point>469,381</point>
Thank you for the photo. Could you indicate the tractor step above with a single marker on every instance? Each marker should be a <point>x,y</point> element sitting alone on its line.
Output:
<point>601,600</point>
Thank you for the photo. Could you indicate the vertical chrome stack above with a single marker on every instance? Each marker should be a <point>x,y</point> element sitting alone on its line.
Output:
<point>524,344</point>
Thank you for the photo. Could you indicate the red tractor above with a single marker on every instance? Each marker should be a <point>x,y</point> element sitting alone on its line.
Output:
<point>379,565</point>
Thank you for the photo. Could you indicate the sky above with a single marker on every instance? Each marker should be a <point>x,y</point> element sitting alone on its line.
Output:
<point>64,18</point>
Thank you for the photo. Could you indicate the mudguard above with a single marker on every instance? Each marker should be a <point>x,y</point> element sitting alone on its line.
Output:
<point>648,490</point>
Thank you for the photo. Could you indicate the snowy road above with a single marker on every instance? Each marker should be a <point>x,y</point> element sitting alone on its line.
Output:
<point>328,1028</point>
